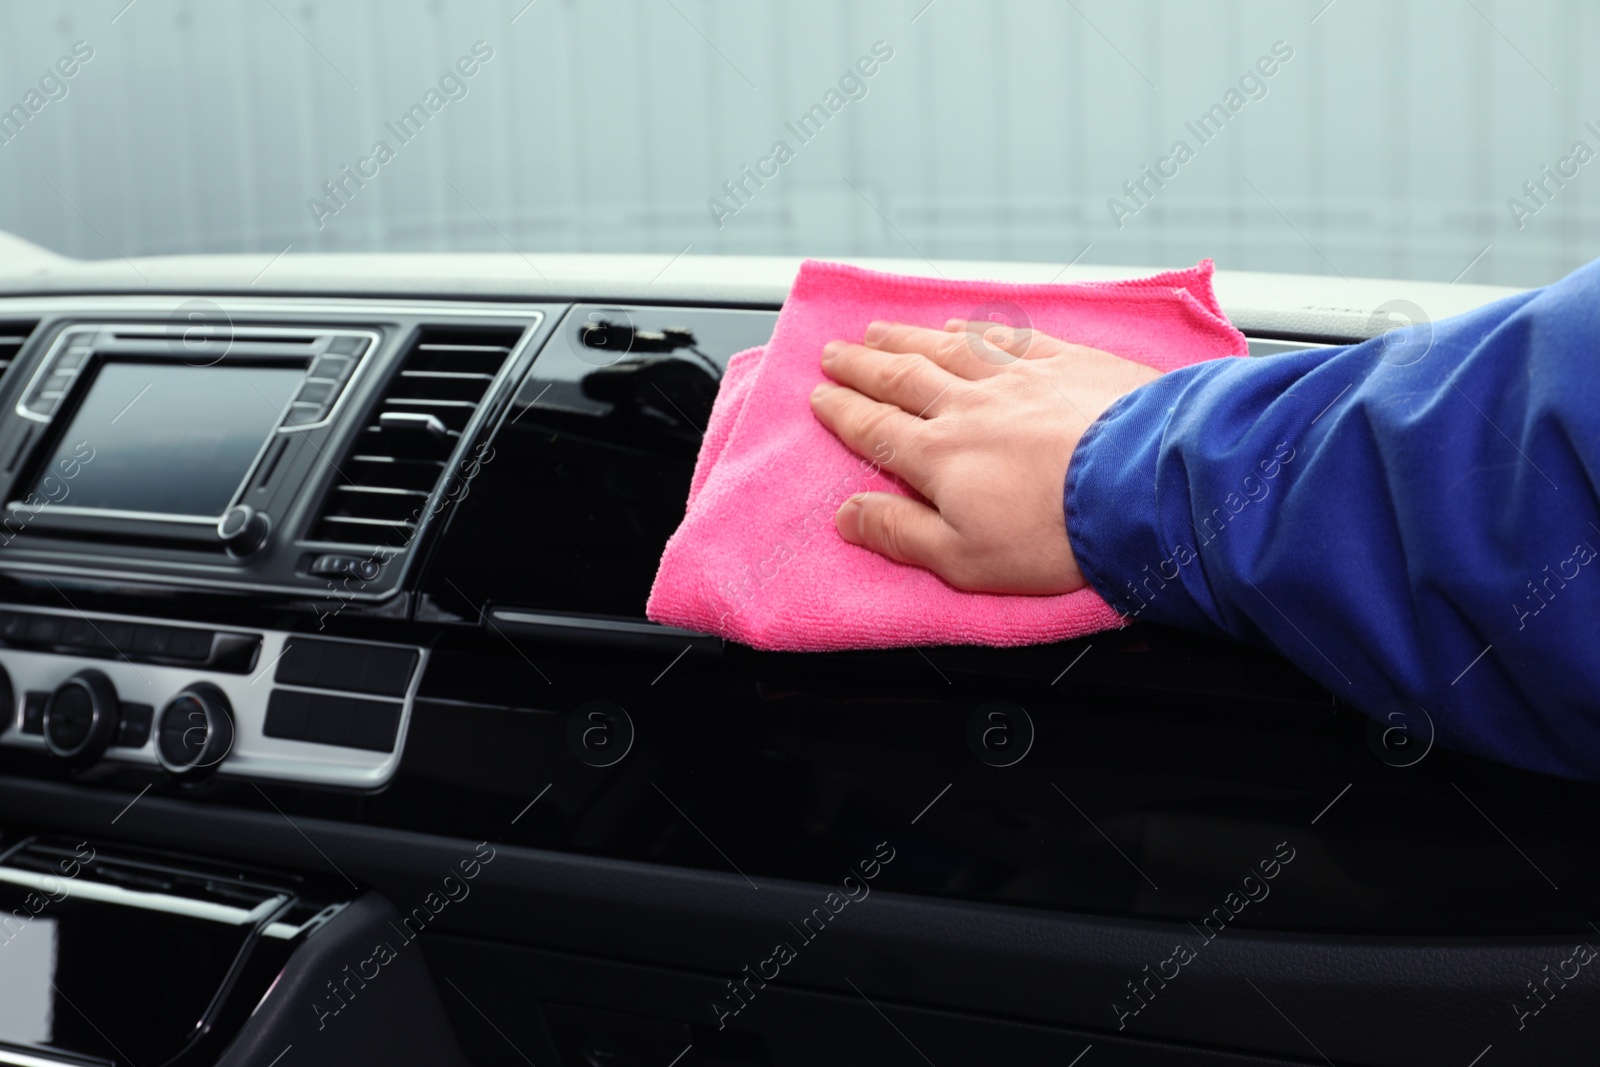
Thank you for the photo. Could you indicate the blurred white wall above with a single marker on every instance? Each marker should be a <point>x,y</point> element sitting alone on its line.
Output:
<point>1388,145</point>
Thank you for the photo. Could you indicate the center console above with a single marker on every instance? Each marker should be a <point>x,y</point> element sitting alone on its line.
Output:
<point>281,466</point>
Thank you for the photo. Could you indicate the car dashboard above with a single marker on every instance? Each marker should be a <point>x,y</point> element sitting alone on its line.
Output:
<point>321,589</point>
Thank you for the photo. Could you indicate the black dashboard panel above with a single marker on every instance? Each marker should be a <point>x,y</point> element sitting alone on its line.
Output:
<point>591,465</point>
<point>494,680</point>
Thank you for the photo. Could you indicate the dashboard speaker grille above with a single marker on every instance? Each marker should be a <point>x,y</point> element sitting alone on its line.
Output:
<point>403,451</point>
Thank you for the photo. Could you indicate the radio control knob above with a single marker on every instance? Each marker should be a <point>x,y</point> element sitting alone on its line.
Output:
<point>194,731</point>
<point>243,529</point>
<point>81,717</point>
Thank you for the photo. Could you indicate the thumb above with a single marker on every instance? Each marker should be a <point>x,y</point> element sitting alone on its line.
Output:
<point>895,526</point>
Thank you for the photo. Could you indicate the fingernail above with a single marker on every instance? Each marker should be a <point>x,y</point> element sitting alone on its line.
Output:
<point>848,518</point>
<point>997,336</point>
<point>954,324</point>
<point>831,349</point>
<point>875,332</point>
<point>821,388</point>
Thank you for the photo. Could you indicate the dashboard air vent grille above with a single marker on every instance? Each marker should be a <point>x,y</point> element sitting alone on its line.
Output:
<point>13,335</point>
<point>403,451</point>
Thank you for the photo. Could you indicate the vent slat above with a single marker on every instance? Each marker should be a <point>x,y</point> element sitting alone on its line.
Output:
<point>385,489</point>
<point>425,402</point>
<point>392,472</point>
<point>358,520</point>
<point>13,335</point>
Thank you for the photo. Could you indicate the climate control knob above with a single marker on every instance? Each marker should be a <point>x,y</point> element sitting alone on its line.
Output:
<point>81,717</point>
<point>194,731</point>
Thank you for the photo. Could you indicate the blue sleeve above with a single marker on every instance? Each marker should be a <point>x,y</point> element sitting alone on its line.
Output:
<point>1412,521</point>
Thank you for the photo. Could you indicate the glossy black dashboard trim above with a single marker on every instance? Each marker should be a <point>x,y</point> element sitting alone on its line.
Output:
<point>1377,1000</point>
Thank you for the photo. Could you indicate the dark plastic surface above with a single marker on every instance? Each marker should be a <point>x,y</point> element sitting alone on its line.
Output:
<point>382,670</point>
<point>601,443</point>
<point>781,1025</point>
<point>1361,1000</point>
<point>79,635</point>
<point>126,983</point>
<point>358,991</point>
<point>326,719</point>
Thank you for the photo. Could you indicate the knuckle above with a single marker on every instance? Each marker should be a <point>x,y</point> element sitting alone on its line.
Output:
<point>873,422</point>
<point>954,347</point>
<point>897,373</point>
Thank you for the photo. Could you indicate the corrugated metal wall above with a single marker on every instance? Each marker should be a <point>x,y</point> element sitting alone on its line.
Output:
<point>1388,145</point>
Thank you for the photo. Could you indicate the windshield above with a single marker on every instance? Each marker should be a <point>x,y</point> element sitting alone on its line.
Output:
<point>1442,141</point>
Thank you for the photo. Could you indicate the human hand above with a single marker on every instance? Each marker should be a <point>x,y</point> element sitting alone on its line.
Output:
<point>982,425</point>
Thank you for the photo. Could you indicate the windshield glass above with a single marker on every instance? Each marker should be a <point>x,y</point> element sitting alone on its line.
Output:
<point>1358,137</point>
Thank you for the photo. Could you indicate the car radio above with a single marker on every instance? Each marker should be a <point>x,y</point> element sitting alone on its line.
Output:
<point>304,453</point>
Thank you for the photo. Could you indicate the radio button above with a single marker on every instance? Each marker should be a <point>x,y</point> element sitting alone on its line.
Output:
<point>33,705</point>
<point>113,636</point>
<point>243,529</point>
<point>56,384</point>
<point>317,391</point>
<point>134,730</point>
<point>364,568</point>
<point>349,345</point>
<point>334,367</point>
<point>191,645</point>
<point>73,357</point>
<point>43,629</point>
<point>303,414</point>
<point>152,640</point>
<point>78,633</point>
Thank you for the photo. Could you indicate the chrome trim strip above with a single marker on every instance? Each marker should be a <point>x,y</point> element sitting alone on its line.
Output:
<point>291,305</point>
<point>114,513</point>
<point>584,622</point>
<point>283,931</point>
<point>135,898</point>
<point>23,1059</point>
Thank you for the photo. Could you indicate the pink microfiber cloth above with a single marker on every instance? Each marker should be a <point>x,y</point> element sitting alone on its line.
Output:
<point>758,559</point>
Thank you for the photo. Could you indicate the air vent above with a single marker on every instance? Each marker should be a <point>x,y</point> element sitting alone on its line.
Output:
<point>384,482</point>
<point>13,335</point>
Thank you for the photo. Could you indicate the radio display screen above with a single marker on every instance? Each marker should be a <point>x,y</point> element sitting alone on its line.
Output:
<point>170,439</point>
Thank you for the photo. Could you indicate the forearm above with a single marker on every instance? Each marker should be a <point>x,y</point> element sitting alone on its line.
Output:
<point>1411,535</point>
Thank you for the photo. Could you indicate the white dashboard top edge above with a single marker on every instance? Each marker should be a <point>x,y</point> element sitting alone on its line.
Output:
<point>1312,305</point>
